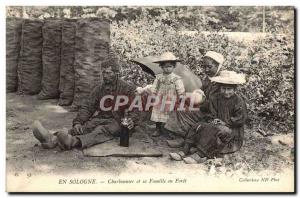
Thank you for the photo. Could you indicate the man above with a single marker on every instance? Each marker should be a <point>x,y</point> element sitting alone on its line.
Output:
<point>180,122</point>
<point>94,124</point>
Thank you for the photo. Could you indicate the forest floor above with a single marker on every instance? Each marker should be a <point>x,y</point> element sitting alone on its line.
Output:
<point>260,155</point>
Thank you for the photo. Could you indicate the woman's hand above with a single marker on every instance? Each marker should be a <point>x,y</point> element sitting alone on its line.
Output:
<point>139,90</point>
<point>78,129</point>
<point>217,121</point>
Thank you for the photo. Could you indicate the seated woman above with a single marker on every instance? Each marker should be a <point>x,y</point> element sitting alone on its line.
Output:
<point>180,122</point>
<point>225,132</point>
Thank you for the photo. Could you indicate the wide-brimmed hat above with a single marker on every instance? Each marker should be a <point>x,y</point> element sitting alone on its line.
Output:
<point>167,57</point>
<point>215,56</point>
<point>190,80</point>
<point>229,77</point>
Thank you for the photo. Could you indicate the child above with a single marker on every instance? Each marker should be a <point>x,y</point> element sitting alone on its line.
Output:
<point>225,133</point>
<point>166,84</point>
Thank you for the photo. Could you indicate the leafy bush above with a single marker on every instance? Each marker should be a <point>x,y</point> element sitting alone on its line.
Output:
<point>278,19</point>
<point>267,59</point>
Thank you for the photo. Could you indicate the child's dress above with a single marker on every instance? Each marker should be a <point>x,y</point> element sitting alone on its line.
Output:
<point>169,86</point>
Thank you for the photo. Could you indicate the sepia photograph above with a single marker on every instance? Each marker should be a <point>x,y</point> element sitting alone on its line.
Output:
<point>150,99</point>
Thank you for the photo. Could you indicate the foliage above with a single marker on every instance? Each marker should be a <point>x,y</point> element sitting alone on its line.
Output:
<point>201,18</point>
<point>267,59</point>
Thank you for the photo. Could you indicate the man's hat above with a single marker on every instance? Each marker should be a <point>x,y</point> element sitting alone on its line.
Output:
<point>215,56</point>
<point>112,62</point>
<point>229,77</point>
<point>167,57</point>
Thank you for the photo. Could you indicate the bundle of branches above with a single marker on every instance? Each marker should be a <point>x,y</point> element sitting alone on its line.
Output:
<point>30,61</point>
<point>66,84</point>
<point>51,59</point>
<point>13,38</point>
<point>91,49</point>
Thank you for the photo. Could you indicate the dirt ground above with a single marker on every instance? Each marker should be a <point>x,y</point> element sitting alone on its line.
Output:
<point>259,154</point>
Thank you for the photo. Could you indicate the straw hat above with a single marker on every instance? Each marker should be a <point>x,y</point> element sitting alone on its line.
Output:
<point>229,77</point>
<point>167,57</point>
<point>215,56</point>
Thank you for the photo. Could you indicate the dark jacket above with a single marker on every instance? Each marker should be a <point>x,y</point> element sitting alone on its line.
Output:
<point>91,106</point>
<point>210,90</point>
<point>233,112</point>
<point>180,122</point>
<point>212,139</point>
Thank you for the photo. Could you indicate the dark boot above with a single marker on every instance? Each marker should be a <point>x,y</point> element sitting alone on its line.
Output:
<point>46,139</point>
<point>186,148</point>
<point>176,143</point>
<point>67,141</point>
<point>157,132</point>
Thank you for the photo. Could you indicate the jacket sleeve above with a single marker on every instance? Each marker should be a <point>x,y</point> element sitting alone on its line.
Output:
<point>88,107</point>
<point>130,90</point>
<point>179,87</point>
<point>212,105</point>
<point>240,113</point>
<point>154,86</point>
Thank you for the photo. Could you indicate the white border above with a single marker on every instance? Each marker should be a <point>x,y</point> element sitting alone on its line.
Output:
<point>3,3</point>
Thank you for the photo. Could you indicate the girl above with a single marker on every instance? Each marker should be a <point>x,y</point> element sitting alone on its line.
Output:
<point>167,86</point>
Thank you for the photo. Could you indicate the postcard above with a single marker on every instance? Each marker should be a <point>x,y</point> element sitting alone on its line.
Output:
<point>150,99</point>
